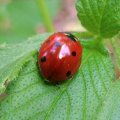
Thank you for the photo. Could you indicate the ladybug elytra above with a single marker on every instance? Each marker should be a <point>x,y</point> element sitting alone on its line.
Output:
<point>59,57</point>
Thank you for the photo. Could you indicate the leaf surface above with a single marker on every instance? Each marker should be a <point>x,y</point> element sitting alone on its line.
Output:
<point>29,97</point>
<point>13,57</point>
<point>111,106</point>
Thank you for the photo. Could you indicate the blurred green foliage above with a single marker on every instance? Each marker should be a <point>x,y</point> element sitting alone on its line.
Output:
<point>20,19</point>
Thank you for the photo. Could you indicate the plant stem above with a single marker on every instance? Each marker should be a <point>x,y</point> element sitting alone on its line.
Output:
<point>45,15</point>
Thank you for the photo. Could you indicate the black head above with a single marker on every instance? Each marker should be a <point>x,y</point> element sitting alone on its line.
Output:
<point>72,37</point>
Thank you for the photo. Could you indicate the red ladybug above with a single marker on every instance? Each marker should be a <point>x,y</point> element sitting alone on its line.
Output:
<point>59,57</point>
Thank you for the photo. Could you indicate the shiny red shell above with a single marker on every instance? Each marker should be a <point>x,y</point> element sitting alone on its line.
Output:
<point>59,57</point>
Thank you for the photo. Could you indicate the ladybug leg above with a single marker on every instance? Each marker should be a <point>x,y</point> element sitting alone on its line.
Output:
<point>47,81</point>
<point>58,85</point>
<point>37,63</point>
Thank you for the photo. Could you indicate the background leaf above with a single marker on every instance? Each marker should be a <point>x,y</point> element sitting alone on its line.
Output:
<point>101,17</point>
<point>23,19</point>
<point>29,97</point>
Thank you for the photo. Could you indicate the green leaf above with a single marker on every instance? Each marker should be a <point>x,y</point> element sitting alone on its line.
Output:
<point>101,17</point>
<point>29,97</point>
<point>13,57</point>
<point>111,105</point>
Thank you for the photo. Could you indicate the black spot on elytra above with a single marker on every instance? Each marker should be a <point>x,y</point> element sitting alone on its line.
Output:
<point>43,59</point>
<point>72,37</point>
<point>68,73</point>
<point>57,44</point>
<point>73,53</point>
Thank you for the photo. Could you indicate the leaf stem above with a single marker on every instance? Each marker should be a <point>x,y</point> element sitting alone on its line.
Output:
<point>92,42</point>
<point>45,15</point>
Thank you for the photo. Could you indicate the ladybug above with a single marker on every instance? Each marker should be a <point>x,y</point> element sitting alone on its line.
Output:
<point>59,57</point>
